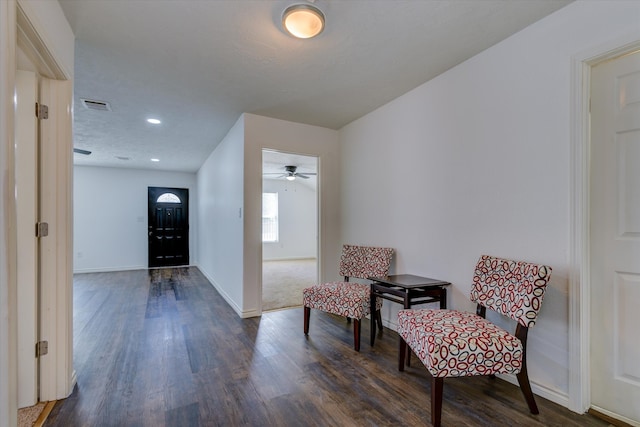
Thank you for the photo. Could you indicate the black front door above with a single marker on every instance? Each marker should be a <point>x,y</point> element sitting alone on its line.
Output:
<point>168,226</point>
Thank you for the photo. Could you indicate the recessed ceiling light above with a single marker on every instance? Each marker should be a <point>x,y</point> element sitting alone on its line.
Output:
<point>155,160</point>
<point>154,121</point>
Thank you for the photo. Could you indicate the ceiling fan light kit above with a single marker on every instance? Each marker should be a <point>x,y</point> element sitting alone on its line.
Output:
<point>293,174</point>
<point>303,21</point>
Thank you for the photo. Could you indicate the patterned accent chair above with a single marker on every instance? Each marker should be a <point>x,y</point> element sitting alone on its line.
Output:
<point>453,343</point>
<point>346,298</point>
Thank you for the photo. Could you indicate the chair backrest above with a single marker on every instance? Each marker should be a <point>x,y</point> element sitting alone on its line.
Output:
<point>365,261</point>
<point>512,288</point>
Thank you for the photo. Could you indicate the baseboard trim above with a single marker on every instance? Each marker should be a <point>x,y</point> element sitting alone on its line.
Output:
<point>554,396</point>
<point>612,418</point>
<point>227,298</point>
<point>74,382</point>
<point>243,314</point>
<point>130,268</point>
<point>109,269</point>
<point>304,258</point>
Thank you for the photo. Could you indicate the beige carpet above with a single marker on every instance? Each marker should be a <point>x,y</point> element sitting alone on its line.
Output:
<point>283,281</point>
<point>27,417</point>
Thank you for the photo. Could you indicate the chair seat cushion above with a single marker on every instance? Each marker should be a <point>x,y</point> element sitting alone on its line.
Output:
<point>342,298</point>
<point>454,343</point>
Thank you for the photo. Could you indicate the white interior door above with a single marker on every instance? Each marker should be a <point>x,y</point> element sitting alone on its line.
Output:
<point>615,238</point>
<point>26,134</point>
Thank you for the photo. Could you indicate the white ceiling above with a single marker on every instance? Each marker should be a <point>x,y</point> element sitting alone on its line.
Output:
<point>197,65</point>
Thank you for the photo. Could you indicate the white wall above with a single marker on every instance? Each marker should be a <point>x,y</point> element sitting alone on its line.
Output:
<point>230,204</point>
<point>477,161</point>
<point>221,213</point>
<point>111,216</point>
<point>280,135</point>
<point>297,215</point>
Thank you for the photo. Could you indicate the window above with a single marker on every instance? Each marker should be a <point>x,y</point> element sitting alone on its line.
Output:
<point>168,198</point>
<point>269,217</point>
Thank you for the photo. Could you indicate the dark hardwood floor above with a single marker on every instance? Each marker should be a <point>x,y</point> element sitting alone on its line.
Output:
<point>162,348</point>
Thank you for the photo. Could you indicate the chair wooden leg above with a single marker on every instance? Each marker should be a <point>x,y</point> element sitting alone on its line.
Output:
<point>523,380</point>
<point>307,314</point>
<point>401,353</point>
<point>437,384</point>
<point>356,334</point>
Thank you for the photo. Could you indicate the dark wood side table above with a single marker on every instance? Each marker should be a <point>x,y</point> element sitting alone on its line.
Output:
<point>408,290</point>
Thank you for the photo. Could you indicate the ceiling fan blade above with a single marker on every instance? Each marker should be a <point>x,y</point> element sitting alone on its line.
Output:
<point>81,151</point>
<point>290,173</point>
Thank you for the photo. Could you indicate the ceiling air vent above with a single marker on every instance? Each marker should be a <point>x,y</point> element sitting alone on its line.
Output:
<point>92,104</point>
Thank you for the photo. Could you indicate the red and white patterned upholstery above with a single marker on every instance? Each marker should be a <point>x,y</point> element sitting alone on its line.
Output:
<point>453,343</point>
<point>512,288</point>
<point>341,298</point>
<point>365,261</point>
<point>345,298</point>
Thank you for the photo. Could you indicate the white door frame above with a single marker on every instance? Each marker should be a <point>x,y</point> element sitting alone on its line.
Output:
<point>42,29</point>
<point>42,37</point>
<point>8,289</point>
<point>318,213</point>
<point>579,285</point>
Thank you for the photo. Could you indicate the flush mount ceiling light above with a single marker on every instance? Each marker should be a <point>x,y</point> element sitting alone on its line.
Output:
<point>303,21</point>
<point>154,121</point>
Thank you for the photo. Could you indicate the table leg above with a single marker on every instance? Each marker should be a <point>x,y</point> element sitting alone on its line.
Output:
<point>443,298</point>
<point>407,305</point>
<point>372,314</point>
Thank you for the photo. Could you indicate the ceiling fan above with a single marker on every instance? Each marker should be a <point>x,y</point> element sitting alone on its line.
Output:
<point>290,173</point>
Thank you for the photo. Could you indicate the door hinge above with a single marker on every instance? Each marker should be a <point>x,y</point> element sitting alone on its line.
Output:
<point>42,348</point>
<point>42,229</point>
<point>42,111</point>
